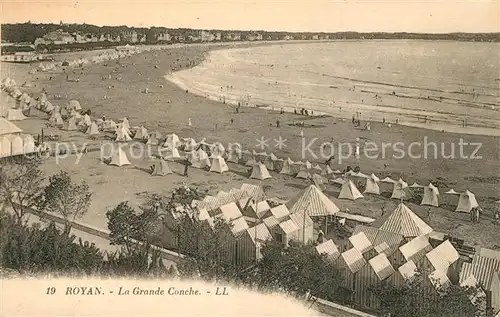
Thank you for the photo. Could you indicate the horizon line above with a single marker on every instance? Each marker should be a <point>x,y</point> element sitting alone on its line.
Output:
<point>247,30</point>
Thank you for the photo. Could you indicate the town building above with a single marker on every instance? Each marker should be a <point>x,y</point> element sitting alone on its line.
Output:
<point>57,37</point>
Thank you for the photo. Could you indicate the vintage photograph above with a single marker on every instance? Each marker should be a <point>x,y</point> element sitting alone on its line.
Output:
<point>342,154</point>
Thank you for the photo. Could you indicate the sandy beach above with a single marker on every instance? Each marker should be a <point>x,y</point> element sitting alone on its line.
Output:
<point>167,108</point>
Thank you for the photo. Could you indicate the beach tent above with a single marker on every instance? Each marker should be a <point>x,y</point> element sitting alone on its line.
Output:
<point>77,115</point>
<point>261,157</point>
<point>466,202</point>
<point>205,146</point>
<point>327,171</point>
<point>313,202</point>
<point>416,185</point>
<point>125,124</point>
<point>109,125</point>
<point>170,153</point>
<point>219,165</point>
<point>287,168</point>
<point>398,189</point>
<point>316,169</point>
<point>172,141</point>
<point>58,120</point>
<point>246,155</point>
<point>304,174</point>
<point>260,171</point>
<point>251,162</point>
<point>119,158</point>
<point>218,149</point>
<point>154,138</point>
<point>190,145</point>
<point>319,181</point>
<point>43,98</point>
<point>85,121</point>
<point>405,222</point>
<point>15,115</point>
<point>270,162</point>
<point>200,159</point>
<point>430,197</point>
<point>388,180</point>
<point>372,185</point>
<point>121,135</point>
<point>70,125</point>
<point>234,155</point>
<point>92,129</point>
<point>161,168</point>
<point>349,191</point>
<point>48,107</point>
<point>141,134</point>
<point>74,105</point>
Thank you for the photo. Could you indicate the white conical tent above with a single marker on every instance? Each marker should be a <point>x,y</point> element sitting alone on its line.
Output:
<point>119,157</point>
<point>219,165</point>
<point>85,121</point>
<point>200,159</point>
<point>304,174</point>
<point>430,197</point>
<point>190,145</point>
<point>372,185</point>
<point>287,168</point>
<point>172,141</point>
<point>121,135</point>
<point>398,189</point>
<point>154,139</point>
<point>141,134</point>
<point>92,129</point>
<point>270,162</point>
<point>349,191</point>
<point>125,124</point>
<point>74,105</point>
<point>161,168</point>
<point>109,125</point>
<point>218,149</point>
<point>234,155</point>
<point>170,153</point>
<point>48,107</point>
<point>466,202</point>
<point>260,171</point>
<point>70,125</point>
<point>58,120</point>
<point>251,161</point>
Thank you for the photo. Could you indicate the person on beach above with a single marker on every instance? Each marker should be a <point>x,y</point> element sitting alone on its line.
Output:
<point>353,119</point>
<point>301,132</point>
<point>232,120</point>
<point>429,215</point>
<point>277,123</point>
<point>186,166</point>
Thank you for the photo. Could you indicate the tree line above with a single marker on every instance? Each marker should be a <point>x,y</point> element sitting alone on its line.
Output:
<point>28,32</point>
<point>295,269</point>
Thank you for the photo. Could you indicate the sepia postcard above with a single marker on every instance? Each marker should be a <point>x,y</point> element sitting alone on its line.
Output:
<point>250,158</point>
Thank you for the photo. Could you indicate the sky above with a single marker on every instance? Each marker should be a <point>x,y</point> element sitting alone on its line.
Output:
<point>426,16</point>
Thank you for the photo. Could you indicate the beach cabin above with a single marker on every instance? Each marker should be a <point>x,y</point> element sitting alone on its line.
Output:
<point>360,242</point>
<point>329,250</point>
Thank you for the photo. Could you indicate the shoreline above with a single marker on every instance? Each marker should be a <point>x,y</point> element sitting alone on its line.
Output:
<point>439,121</point>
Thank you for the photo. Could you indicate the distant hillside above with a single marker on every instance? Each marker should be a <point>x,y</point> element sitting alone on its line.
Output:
<point>29,32</point>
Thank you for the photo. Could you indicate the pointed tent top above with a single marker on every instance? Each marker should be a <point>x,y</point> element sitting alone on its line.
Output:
<point>374,178</point>
<point>405,222</point>
<point>289,161</point>
<point>452,192</point>
<point>312,201</point>
<point>349,191</point>
<point>415,185</point>
<point>273,157</point>
<point>388,180</point>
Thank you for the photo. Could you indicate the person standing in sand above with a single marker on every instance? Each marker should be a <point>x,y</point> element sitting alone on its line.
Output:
<point>189,121</point>
<point>301,132</point>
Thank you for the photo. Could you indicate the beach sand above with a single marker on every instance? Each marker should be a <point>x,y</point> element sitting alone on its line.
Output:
<point>211,120</point>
